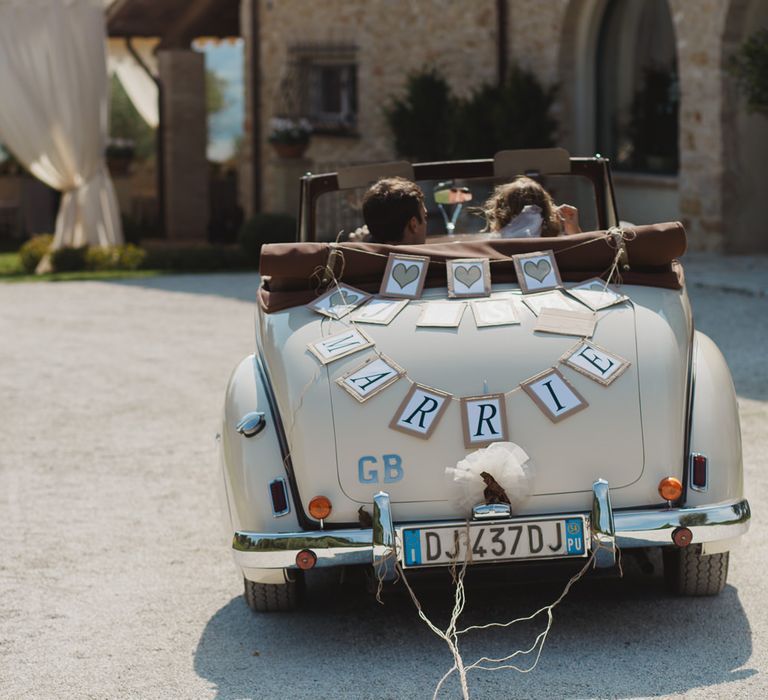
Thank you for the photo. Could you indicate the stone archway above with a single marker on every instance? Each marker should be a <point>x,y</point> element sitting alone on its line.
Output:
<point>647,198</point>
<point>745,143</point>
<point>578,48</point>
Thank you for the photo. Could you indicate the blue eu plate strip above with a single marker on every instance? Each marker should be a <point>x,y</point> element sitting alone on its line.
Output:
<point>574,536</point>
<point>412,544</point>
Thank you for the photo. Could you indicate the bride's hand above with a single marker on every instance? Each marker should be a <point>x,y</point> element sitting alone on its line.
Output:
<point>569,215</point>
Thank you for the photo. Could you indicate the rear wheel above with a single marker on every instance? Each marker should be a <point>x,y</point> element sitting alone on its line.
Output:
<point>688,572</point>
<point>274,597</point>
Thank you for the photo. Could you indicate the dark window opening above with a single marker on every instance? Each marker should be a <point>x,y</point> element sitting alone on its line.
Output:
<point>323,79</point>
<point>638,93</point>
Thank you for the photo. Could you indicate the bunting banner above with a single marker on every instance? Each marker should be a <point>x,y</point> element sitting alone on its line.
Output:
<point>558,310</point>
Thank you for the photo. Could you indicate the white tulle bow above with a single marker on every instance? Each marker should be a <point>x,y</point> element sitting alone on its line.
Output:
<point>506,462</point>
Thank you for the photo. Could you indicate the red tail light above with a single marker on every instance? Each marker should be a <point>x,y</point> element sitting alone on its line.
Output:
<point>306,559</point>
<point>279,495</point>
<point>698,471</point>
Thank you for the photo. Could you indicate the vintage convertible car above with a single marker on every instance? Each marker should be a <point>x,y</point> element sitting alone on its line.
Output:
<point>353,435</point>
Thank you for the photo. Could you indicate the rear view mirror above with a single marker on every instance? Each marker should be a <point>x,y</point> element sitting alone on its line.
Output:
<point>448,194</point>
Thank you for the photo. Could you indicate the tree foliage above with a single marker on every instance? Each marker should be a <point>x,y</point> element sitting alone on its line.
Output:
<point>513,115</point>
<point>126,124</point>
<point>215,92</point>
<point>430,123</point>
<point>749,66</point>
<point>422,121</point>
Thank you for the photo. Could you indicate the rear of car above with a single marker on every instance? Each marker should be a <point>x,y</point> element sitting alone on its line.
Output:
<point>313,477</point>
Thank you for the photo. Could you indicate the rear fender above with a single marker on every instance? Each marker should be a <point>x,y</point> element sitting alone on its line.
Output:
<point>249,464</point>
<point>715,430</point>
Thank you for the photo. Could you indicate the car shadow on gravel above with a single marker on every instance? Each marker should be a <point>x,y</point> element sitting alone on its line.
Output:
<point>231,285</point>
<point>610,638</point>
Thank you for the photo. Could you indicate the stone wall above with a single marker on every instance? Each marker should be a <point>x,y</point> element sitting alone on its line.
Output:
<point>699,27</point>
<point>393,38</point>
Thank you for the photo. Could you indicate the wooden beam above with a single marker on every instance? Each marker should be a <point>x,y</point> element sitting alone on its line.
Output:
<point>186,26</point>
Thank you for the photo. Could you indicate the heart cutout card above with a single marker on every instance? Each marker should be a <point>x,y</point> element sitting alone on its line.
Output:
<point>468,277</point>
<point>537,272</point>
<point>404,276</point>
<point>338,301</point>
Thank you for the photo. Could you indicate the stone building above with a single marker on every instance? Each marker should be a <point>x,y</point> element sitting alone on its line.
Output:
<point>342,61</point>
<point>597,51</point>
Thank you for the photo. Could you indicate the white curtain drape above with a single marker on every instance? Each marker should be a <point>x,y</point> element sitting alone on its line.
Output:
<point>53,79</point>
<point>140,88</point>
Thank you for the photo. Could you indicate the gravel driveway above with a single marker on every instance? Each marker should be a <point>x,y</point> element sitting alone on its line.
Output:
<point>116,582</point>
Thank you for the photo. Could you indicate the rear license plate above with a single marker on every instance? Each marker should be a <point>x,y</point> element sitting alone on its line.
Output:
<point>549,538</point>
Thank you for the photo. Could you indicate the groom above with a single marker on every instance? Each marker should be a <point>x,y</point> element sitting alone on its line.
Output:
<point>395,213</point>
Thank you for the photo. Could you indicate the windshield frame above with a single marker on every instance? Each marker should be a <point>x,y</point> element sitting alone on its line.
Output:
<point>596,170</point>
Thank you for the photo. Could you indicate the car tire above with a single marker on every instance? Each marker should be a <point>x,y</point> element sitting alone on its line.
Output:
<point>688,572</point>
<point>273,597</point>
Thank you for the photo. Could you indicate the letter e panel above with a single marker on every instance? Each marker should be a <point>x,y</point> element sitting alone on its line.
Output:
<point>595,362</point>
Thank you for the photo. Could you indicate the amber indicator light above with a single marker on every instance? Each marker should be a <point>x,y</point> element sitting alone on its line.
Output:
<point>320,507</point>
<point>670,489</point>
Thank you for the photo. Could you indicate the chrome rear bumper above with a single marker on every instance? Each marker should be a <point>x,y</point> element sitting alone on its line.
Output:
<point>606,529</point>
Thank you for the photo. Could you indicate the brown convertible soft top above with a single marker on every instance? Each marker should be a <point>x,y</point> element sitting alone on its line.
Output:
<point>287,268</point>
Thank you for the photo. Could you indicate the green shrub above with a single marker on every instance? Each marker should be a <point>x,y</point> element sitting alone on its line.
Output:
<point>130,257</point>
<point>32,252</point>
<point>422,121</point>
<point>429,123</point>
<point>266,228</point>
<point>509,116</point>
<point>69,259</point>
<point>124,257</point>
<point>99,258</point>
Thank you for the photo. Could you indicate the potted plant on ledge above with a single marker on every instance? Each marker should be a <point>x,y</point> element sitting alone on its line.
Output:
<point>290,137</point>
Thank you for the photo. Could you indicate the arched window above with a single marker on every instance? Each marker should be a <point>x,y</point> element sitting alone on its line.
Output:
<point>637,87</point>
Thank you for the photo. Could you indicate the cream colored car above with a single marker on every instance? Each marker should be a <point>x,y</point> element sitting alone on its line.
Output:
<point>359,431</point>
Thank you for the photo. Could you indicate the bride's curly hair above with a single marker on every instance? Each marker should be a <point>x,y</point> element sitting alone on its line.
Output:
<point>508,200</point>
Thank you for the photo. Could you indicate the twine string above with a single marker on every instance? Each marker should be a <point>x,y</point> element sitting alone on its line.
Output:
<point>451,634</point>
